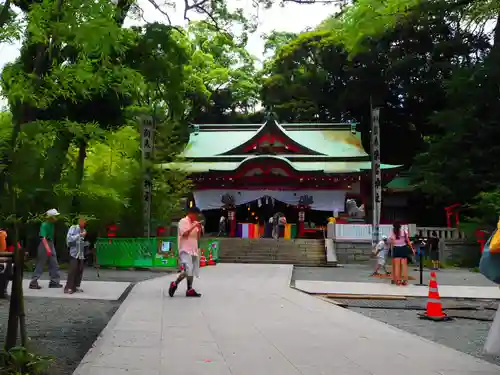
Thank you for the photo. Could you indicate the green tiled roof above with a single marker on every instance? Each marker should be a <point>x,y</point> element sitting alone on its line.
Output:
<point>400,183</point>
<point>205,144</point>
<point>333,141</point>
<point>326,167</point>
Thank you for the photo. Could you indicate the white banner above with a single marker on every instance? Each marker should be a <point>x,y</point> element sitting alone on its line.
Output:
<point>323,200</point>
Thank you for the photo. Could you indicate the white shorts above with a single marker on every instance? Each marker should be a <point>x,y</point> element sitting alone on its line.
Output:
<point>191,263</point>
<point>381,261</point>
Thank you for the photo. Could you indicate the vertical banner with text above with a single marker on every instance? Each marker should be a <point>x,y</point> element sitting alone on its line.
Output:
<point>376,175</point>
<point>147,148</point>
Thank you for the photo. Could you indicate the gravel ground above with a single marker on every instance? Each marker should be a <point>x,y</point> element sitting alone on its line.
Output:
<point>62,328</point>
<point>467,336</point>
<point>466,333</point>
<point>67,328</point>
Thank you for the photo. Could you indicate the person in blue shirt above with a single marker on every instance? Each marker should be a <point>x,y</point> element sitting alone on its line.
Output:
<point>420,245</point>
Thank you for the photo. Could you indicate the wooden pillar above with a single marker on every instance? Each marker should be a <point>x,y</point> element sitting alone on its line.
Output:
<point>300,224</point>
<point>231,215</point>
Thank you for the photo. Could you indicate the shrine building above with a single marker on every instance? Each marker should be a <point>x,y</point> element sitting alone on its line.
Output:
<point>307,171</point>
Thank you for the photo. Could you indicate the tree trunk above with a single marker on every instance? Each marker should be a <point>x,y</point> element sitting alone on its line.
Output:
<point>80,169</point>
<point>56,157</point>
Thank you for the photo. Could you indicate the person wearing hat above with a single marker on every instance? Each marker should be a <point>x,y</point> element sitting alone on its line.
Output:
<point>381,251</point>
<point>46,253</point>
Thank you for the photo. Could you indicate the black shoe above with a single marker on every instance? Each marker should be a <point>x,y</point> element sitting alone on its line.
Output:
<point>172,289</point>
<point>55,285</point>
<point>35,286</point>
<point>192,293</point>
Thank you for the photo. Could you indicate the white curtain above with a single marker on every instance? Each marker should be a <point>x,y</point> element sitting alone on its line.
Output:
<point>324,200</point>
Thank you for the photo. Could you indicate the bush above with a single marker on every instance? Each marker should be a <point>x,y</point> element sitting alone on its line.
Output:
<point>20,361</point>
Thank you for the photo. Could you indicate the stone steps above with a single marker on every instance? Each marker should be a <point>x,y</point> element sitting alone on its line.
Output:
<point>304,252</point>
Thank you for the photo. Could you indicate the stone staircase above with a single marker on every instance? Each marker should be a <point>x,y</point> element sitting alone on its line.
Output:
<point>300,252</point>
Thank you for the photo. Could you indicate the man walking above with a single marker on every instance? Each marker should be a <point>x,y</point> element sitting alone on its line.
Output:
<point>47,253</point>
<point>222,226</point>
<point>75,240</point>
<point>190,230</point>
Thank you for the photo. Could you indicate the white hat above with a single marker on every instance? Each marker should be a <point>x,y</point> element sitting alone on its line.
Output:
<point>52,212</point>
<point>384,237</point>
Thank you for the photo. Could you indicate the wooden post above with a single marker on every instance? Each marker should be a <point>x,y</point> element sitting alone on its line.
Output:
<point>16,308</point>
<point>231,215</point>
<point>300,231</point>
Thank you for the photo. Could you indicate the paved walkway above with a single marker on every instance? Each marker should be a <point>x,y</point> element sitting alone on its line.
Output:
<point>386,289</point>
<point>250,322</point>
<point>97,290</point>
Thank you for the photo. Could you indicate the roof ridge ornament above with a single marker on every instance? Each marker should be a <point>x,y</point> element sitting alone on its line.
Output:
<point>194,128</point>
<point>353,127</point>
<point>269,116</point>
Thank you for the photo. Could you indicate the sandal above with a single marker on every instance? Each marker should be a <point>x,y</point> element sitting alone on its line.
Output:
<point>398,282</point>
<point>404,282</point>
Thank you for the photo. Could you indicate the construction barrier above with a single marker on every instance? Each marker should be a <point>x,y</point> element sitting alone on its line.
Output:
<point>146,252</point>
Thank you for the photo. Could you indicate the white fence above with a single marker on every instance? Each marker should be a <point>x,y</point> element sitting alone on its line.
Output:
<point>362,232</point>
<point>442,233</point>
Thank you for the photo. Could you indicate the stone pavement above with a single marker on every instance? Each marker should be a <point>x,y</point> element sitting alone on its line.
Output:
<point>386,289</point>
<point>96,290</point>
<point>361,273</point>
<point>249,322</point>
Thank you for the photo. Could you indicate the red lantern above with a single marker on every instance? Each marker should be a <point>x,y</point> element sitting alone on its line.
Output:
<point>111,229</point>
<point>160,231</point>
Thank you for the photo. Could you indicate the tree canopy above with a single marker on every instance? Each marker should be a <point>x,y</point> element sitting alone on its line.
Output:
<point>71,135</point>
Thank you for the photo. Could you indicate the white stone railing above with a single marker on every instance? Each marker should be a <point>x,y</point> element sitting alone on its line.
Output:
<point>442,233</point>
<point>361,232</point>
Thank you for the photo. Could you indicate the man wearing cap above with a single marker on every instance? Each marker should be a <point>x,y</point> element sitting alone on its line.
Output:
<point>46,253</point>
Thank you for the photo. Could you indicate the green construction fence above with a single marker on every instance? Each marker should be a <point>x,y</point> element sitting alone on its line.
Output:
<point>146,252</point>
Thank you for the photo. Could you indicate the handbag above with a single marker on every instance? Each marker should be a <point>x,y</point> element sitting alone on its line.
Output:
<point>489,265</point>
<point>492,344</point>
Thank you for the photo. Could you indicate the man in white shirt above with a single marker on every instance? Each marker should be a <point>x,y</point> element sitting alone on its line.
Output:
<point>381,250</point>
<point>222,226</point>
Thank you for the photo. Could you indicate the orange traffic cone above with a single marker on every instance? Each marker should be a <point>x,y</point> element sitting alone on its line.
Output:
<point>203,260</point>
<point>211,261</point>
<point>434,309</point>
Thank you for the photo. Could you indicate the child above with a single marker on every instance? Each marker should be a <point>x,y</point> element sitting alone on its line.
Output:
<point>380,251</point>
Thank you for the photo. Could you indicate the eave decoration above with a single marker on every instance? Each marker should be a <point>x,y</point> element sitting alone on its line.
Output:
<point>228,201</point>
<point>305,202</point>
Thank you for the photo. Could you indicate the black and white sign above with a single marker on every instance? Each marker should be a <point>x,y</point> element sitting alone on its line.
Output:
<point>376,175</point>
<point>147,143</point>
